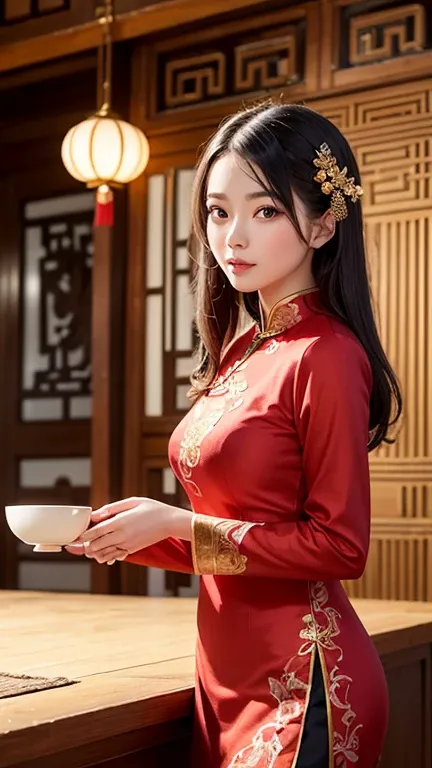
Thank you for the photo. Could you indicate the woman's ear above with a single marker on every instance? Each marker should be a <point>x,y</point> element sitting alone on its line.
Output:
<point>323,230</point>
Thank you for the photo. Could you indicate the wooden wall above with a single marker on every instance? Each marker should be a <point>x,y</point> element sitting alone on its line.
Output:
<point>46,350</point>
<point>366,67</point>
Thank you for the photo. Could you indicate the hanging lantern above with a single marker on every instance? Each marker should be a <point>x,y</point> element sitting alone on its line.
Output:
<point>104,151</point>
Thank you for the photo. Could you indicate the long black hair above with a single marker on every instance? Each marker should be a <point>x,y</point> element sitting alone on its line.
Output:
<point>281,141</point>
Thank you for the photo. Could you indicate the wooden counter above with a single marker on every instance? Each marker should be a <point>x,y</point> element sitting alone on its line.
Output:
<point>134,658</point>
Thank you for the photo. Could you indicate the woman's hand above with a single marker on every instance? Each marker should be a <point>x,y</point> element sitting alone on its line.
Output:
<point>127,526</point>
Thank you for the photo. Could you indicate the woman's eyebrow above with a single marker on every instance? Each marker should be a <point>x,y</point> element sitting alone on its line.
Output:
<point>250,196</point>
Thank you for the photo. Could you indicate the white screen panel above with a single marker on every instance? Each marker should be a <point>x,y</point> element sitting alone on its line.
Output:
<point>183,367</point>
<point>44,473</point>
<point>184,313</point>
<point>154,356</point>
<point>184,181</point>
<point>155,231</point>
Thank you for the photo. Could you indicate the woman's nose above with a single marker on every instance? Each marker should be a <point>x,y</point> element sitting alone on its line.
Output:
<point>236,237</point>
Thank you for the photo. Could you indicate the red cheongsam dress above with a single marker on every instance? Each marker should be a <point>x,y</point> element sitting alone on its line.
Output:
<point>274,461</point>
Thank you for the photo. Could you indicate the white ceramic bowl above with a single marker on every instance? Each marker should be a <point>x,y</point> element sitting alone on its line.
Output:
<point>48,527</point>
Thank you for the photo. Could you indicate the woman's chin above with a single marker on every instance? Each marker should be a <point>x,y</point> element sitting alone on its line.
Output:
<point>244,283</point>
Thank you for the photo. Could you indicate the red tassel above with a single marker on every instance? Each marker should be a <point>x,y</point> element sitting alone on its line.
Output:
<point>104,211</point>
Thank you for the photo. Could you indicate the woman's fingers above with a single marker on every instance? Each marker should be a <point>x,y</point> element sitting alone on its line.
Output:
<point>104,554</point>
<point>101,529</point>
<point>75,549</point>
<point>110,555</point>
<point>94,547</point>
<point>109,510</point>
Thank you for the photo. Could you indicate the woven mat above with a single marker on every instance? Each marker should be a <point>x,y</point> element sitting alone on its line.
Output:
<point>16,685</point>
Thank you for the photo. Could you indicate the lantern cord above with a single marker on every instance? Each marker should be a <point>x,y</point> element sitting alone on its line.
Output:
<point>105,15</point>
<point>104,210</point>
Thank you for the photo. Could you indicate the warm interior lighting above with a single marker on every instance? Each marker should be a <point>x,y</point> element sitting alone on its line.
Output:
<point>104,151</point>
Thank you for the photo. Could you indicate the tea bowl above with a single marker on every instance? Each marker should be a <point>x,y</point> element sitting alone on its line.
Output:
<point>48,527</point>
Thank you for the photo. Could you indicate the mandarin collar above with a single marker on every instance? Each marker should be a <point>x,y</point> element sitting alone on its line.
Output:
<point>284,314</point>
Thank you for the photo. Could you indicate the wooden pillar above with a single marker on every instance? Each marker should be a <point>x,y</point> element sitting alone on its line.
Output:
<point>107,376</point>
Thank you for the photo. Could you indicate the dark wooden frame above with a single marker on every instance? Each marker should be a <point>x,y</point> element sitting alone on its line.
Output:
<point>87,36</point>
<point>31,130</point>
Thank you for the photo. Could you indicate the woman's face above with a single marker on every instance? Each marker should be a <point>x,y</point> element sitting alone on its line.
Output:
<point>251,236</point>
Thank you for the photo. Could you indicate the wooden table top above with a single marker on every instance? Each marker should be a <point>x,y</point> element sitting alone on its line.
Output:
<point>134,658</point>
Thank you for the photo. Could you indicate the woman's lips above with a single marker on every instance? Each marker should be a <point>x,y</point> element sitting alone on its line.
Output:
<point>239,267</point>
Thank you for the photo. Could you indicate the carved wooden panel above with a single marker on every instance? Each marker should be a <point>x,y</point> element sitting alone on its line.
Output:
<point>268,64</point>
<point>258,55</point>
<point>385,34</point>
<point>45,405</point>
<point>56,291</point>
<point>361,35</point>
<point>399,564</point>
<point>390,131</point>
<point>194,79</point>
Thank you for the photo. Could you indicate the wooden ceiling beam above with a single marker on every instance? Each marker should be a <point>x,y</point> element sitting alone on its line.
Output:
<point>145,21</point>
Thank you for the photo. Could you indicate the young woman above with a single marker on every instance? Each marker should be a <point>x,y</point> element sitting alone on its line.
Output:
<point>274,453</point>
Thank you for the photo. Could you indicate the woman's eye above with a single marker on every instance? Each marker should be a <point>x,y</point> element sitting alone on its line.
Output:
<point>268,212</point>
<point>216,212</point>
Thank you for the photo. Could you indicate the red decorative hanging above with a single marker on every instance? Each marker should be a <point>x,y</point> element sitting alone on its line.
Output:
<point>104,210</point>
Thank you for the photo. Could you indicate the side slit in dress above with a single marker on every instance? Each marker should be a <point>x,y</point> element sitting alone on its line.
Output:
<point>314,749</point>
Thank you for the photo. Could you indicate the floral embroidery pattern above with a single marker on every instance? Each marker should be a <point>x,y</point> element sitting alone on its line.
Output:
<point>212,550</point>
<point>321,627</point>
<point>215,545</point>
<point>284,317</point>
<point>190,447</point>
<point>345,744</point>
<point>231,385</point>
<point>290,691</point>
<point>204,420</point>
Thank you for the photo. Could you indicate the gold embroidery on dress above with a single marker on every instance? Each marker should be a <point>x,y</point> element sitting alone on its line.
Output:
<point>284,317</point>
<point>231,385</point>
<point>346,744</point>
<point>204,417</point>
<point>212,550</point>
<point>291,693</point>
<point>190,446</point>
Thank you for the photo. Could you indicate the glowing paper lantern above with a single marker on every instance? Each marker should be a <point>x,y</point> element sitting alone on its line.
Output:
<point>104,152</point>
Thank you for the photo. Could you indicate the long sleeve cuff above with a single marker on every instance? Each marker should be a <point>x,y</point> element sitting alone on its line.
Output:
<point>215,545</point>
<point>290,550</point>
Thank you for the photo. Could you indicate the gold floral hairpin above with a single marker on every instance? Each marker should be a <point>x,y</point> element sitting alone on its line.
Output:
<point>334,182</point>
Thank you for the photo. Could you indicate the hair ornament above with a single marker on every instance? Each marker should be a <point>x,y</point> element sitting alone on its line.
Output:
<point>335,182</point>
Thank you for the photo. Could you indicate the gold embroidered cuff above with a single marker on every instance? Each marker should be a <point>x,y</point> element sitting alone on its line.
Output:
<point>213,551</point>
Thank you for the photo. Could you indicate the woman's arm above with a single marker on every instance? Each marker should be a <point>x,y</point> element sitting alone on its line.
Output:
<point>138,530</point>
<point>331,540</point>
<point>171,554</point>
